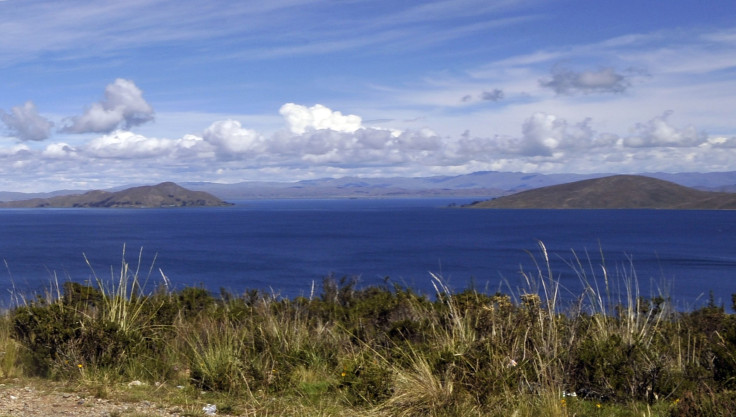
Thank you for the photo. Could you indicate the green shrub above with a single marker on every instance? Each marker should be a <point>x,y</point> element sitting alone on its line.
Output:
<point>193,301</point>
<point>45,330</point>
<point>719,404</point>
<point>365,381</point>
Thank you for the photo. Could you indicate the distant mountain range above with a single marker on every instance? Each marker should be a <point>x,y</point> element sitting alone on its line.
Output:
<point>166,194</point>
<point>479,184</point>
<point>615,192</point>
<point>485,184</point>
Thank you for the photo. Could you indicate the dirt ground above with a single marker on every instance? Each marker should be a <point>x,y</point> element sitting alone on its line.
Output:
<point>29,401</point>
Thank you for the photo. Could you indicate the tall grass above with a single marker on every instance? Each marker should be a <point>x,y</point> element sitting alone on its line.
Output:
<point>216,355</point>
<point>9,349</point>
<point>123,299</point>
<point>387,350</point>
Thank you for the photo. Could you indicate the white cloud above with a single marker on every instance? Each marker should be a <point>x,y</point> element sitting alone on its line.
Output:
<point>231,139</point>
<point>125,145</point>
<point>543,135</point>
<point>722,142</point>
<point>59,150</point>
<point>25,123</point>
<point>659,132</point>
<point>301,118</point>
<point>122,107</point>
<point>364,146</point>
<point>228,151</point>
<point>20,150</point>
<point>319,135</point>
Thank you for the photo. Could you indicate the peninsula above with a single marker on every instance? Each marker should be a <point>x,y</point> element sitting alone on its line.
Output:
<point>167,194</point>
<point>614,192</point>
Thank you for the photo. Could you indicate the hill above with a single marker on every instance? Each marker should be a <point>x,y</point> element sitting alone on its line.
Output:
<point>615,192</point>
<point>166,194</point>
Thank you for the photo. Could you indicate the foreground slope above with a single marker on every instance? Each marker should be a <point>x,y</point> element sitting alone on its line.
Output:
<point>166,194</point>
<point>615,192</point>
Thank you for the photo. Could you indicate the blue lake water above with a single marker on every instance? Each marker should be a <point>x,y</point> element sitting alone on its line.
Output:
<point>284,246</point>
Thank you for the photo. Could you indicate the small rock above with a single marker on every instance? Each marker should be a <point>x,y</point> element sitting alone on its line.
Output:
<point>210,409</point>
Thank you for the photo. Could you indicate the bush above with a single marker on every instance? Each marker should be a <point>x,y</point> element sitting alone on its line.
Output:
<point>46,331</point>
<point>61,337</point>
<point>720,404</point>
<point>365,381</point>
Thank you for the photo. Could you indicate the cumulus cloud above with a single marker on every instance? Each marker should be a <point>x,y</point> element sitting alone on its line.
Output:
<point>124,145</point>
<point>542,135</point>
<point>605,80</point>
<point>301,118</point>
<point>341,146</point>
<point>659,132</point>
<point>319,135</point>
<point>59,150</point>
<point>325,137</point>
<point>230,139</point>
<point>122,107</point>
<point>372,146</point>
<point>25,123</point>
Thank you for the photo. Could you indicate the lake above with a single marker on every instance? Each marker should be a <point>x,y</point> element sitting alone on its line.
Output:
<point>284,246</point>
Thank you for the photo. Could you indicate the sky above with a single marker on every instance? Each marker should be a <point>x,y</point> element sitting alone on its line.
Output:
<point>97,94</point>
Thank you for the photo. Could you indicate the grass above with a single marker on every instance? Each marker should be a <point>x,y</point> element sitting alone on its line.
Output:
<point>381,351</point>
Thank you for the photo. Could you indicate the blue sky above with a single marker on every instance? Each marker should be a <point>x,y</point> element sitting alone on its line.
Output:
<point>100,94</point>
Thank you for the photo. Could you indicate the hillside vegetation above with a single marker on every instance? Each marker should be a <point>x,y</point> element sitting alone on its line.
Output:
<point>382,350</point>
<point>615,192</point>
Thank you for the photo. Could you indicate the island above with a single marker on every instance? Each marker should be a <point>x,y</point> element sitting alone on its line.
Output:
<point>167,194</point>
<point>614,192</point>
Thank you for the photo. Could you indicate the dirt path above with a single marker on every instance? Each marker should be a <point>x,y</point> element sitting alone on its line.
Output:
<point>27,401</point>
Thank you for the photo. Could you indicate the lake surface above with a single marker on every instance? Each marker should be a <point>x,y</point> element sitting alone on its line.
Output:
<point>283,246</point>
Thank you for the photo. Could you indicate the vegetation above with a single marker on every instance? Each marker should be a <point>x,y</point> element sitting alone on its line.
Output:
<point>382,350</point>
